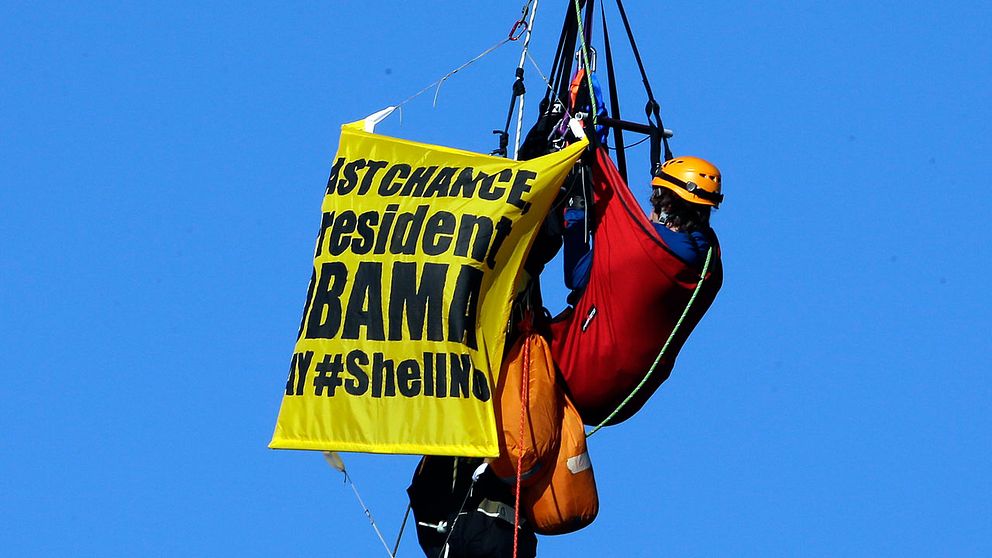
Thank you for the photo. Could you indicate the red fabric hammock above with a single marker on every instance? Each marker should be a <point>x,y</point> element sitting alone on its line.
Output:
<point>636,292</point>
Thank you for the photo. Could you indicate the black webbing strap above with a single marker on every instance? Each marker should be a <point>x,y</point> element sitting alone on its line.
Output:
<point>546,103</point>
<point>587,24</point>
<point>590,123</point>
<point>652,109</point>
<point>504,134</point>
<point>562,69</point>
<point>614,99</point>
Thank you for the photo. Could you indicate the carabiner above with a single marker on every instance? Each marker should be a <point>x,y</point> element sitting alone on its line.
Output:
<point>518,29</point>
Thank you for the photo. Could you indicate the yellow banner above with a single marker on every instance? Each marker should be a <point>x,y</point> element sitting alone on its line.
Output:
<point>414,272</point>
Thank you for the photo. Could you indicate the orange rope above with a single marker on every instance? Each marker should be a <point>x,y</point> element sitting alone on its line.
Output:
<point>524,402</point>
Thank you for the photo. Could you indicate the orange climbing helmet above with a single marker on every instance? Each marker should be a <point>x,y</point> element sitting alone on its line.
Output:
<point>692,179</point>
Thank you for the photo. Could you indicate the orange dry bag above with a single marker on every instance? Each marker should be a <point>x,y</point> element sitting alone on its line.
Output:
<point>564,499</point>
<point>529,359</point>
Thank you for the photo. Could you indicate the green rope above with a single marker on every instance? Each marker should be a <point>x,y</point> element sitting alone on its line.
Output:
<point>585,61</point>
<point>706,267</point>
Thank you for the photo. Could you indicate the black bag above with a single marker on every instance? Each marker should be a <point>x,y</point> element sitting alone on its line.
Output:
<point>458,519</point>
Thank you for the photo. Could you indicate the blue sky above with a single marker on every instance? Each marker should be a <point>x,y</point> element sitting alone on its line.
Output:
<point>162,171</point>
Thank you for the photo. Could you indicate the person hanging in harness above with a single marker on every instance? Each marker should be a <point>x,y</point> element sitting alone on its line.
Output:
<point>680,217</point>
<point>631,286</point>
<point>645,283</point>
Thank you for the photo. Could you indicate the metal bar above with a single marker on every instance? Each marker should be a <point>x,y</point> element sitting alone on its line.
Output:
<point>628,126</point>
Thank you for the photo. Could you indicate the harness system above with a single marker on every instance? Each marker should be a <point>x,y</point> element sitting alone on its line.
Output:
<point>639,291</point>
<point>607,346</point>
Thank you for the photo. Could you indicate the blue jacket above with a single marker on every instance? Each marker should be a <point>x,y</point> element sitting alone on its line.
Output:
<point>688,247</point>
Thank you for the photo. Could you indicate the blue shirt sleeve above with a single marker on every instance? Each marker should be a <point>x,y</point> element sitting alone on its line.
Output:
<point>688,247</point>
<point>578,254</point>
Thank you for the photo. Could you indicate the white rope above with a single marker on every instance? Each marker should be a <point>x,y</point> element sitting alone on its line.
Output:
<point>475,477</point>
<point>335,461</point>
<point>523,57</point>
<point>537,67</point>
<point>441,81</point>
<point>368,514</point>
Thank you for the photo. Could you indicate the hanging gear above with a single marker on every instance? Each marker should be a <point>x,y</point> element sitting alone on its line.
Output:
<point>462,512</point>
<point>692,179</point>
<point>564,499</point>
<point>580,104</point>
<point>526,404</point>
